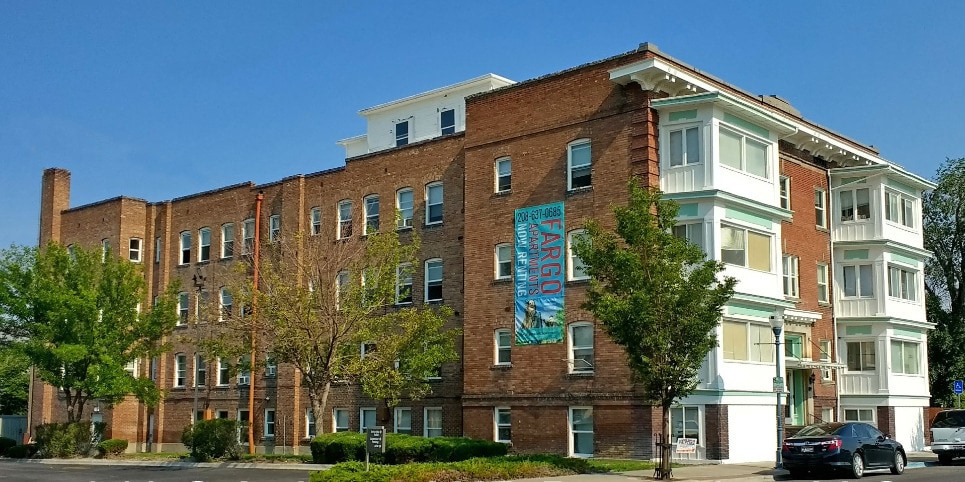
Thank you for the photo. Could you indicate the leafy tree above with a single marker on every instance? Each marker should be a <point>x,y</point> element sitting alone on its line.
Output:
<point>944,235</point>
<point>77,314</point>
<point>318,302</point>
<point>656,295</point>
<point>14,380</point>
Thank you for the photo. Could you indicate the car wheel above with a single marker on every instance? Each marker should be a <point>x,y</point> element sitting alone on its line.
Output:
<point>899,466</point>
<point>944,459</point>
<point>857,466</point>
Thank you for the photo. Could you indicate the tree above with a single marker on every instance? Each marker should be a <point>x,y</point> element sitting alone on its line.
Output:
<point>943,214</point>
<point>14,380</point>
<point>78,315</point>
<point>656,295</point>
<point>318,302</point>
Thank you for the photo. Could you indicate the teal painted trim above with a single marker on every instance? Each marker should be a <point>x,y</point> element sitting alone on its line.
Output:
<point>857,254</point>
<point>892,246</point>
<point>903,188</point>
<point>687,210</point>
<point>903,259</point>
<point>762,300</point>
<point>921,183</point>
<point>683,115</point>
<point>847,181</point>
<point>714,194</point>
<point>857,330</point>
<point>777,122</point>
<point>907,333</point>
<point>732,393</point>
<point>741,215</point>
<point>737,121</point>
<point>748,310</point>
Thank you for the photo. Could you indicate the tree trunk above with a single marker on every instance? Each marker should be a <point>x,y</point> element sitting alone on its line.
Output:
<point>383,415</point>
<point>318,396</point>
<point>665,451</point>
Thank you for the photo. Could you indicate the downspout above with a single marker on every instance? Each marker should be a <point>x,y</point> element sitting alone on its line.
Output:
<point>254,315</point>
<point>834,311</point>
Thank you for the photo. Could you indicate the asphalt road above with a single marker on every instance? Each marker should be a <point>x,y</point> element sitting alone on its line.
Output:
<point>927,474</point>
<point>21,472</point>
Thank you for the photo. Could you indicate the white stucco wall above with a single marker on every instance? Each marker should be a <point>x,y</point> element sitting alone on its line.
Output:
<point>752,433</point>
<point>909,428</point>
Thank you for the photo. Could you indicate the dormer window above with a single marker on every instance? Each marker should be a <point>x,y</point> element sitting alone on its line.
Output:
<point>401,133</point>
<point>447,121</point>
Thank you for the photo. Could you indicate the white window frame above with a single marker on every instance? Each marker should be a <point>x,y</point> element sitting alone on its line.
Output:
<point>683,410</point>
<point>756,349</point>
<point>440,280</point>
<point>428,431</point>
<point>185,258</point>
<point>184,308</point>
<point>157,250</point>
<point>503,257</point>
<point>105,248</point>
<point>244,376</point>
<point>824,288</point>
<point>315,221</point>
<point>784,192</point>
<point>747,232</point>
<point>200,371</point>
<point>499,424</point>
<point>224,370</point>
<point>134,252</point>
<point>271,367</point>
<point>248,236</point>
<point>340,413</point>
<point>860,414</point>
<point>900,208</point>
<point>269,423</point>
<point>692,231</point>
<point>204,244</point>
<point>572,432</point>
<point>371,225</point>
<point>227,240</point>
<point>855,215</point>
<point>402,139</point>
<point>570,168</point>
<point>685,155</point>
<point>858,287</point>
<point>824,354</point>
<point>430,204</point>
<point>902,347</point>
<point>791,275</point>
<point>405,208</point>
<point>902,282</point>
<point>344,223</point>
<point>821,208</point>
<point>362,412</point>
<point>861,344</point>
<point>225,303</point>
<point>508,176</point>
<point>501,348</point>
<point>396,426</point>
<point>274,227</point>
<point>341,287</point>
<point>180,370</point>
<point>311,428</point>
<point>745,138</point>
<point>403,280</point>
<point>572,348</point>
<point>442,128</point>
<point>575,268</point>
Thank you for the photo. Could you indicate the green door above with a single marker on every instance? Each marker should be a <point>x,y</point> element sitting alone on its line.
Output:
<point>796,397</point>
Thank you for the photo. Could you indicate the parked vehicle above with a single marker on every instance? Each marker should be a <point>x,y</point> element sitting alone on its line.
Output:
<point>851,446</point>
<point>948,435</point>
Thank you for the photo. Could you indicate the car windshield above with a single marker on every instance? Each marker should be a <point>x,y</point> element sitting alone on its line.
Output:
<point>819,429</point>
<point>949,419</point>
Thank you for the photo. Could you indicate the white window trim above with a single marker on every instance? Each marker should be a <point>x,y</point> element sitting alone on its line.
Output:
<point>440,203</point>
<point>397,416</point>
<point>770,236</point>
<point>913,290</point>
<point>874,343</point>
<point>183,308</point>
<point>496,425</point>
<point>685,158</point>
<point>570,353</point>
<point>425,422</point>
<point>221,302</point>
<point>315,221</point>
<point>247,236</point>
<point>499,261</point>
<point>342,221</point>
<point>768,149</point>
<point>221,366</point>
<point>399,272</point>
<point>226,239</point>
<point>823,282</point>
<point>874,415</point>
<point>405,222</point>
<point>854,198</point>
<point>408,132</point>
<point>569,163</point>
<point>185,248</point>
<point>369,216</point>
<point>200,365</point>
<point>497,346</point>
<point>274,227</point>
<point>822,221</point>
<point>309,422</point>
<point>427,280</point>
<point>497,176</point>
<point>700,422</point>
<point>791,276</point>
<point>571,256</point>
<point>570,432</point>
<point>362,411</point>
<point>274,422</point>
<point>904,342</point>
<point>244,376</point>
<point>348,421</point>
<point>202,233</point>
<point>454,120</point>
<point>180,370</point>
<point>857,288</point>
<point>902,198</point>
<point>784,184</point>
<point>157,250</point>
<point>134,254</point>
<point>105,248</point>
<point>824,354</point>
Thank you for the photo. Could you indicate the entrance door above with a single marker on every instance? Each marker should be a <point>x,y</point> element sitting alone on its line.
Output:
<point>794,412</point>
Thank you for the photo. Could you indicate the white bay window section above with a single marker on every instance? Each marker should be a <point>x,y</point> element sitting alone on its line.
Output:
<point>743,153</point>
<point>902,283</point>
<point>900,209</point>
<point>684,146</point>
<point>905,357</point>
<point>858,281</point>
<point>743,341</point>
<point>743,247</point>
<point>855,205</point>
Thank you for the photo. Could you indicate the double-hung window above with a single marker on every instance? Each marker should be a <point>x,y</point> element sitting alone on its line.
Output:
<point>905,358</point>
<point>401,133</point>
<point>581,347</point>
<point>790,277</point>
<point>344,219</point>
<point>185,247</point>
<point>274,227</point>
<point>403,284</point>
<point>823,291</point>
<point>433,280</point>
<point>504,261</point>
<point>134,250</point>
<point>902,283</point>
<point>742,341</point>
<point>504,346</point>
<point>858,281</point>
<point>315,218</point>
<point>224,299</point>
<point>434,203</point>
<point>785,192</point>
<point>183,308</point>
<point>899,209</point>
<point>366,419</point>
<point>200,371</point>
<point>504,174</point>
<point>248,236</point>
<point>341,288</point>
<point>581,431</point>
<point>866,415</point>
<point>575,266</point>
<point>157,250</point>
<point>432,422</point>
<point>503,424</point>
<point>820,208</point>
<point>743,153</point>
<point>579,165</point>
<point>685,423</point>
<point>269,423</point>
<point>339,420</point>
<point>204,244</point>
<point>106,248</point>
<point>824,346</point>
<point>403,420</point>
<point>861,356</point>
<point>223,372</point>
<point>855,204</point>
<point>310,430</point>
<point>447,122</point>
<point>244,372</point>
<point>227,240</point>
<point>684,146</point>
<point>743,247</point>
<point>403,202</point>
<point>180,370</point>
<point>371,214</point>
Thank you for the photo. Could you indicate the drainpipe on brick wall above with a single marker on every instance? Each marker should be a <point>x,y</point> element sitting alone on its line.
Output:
<point>254,316</point>
<point>834,309</point>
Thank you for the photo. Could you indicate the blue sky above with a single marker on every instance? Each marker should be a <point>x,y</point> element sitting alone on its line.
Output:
<point>162,99</point>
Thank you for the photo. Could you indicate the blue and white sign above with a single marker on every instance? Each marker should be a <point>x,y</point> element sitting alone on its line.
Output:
<point>540,248</point>
<point>957,387</point>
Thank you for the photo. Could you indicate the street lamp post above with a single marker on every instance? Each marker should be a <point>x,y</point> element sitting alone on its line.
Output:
<point>777,325</point>
<point>199,280</point>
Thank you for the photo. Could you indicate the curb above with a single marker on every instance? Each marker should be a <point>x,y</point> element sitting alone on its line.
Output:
<point>177,464</point>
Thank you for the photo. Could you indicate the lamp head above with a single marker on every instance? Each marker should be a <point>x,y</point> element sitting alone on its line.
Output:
<point>777,324</point>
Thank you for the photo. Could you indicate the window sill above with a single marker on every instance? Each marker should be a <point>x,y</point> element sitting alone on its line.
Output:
<point>502,281</point>
<point>823,229</point>
<point>435,302</point>
<point>403,229</point>
<point>579,190</point>
<point>503,193</point>
<point>578,282</point>
<point>501,367</point>
<point>432,225</point>
<point>579,375</point>
<point>403,303</point>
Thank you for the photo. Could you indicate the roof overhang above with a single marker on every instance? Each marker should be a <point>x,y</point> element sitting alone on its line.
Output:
<point>914,180</point>
<point>481,84</point>
<point>732,104</point>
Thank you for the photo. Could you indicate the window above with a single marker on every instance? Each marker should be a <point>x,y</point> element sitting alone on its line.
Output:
<point>684,422</point>
<point>244,374</point>
<point>152,368</point>
<point>133,367</point>
<point>858,281</point>
<point>902,283</point>
<point>401,133</point>
<point>743,341</point>
<point>106,248</point>
<point>243,427</point>
<point>433,422</point>
<point>866,415</point>
<point>576,268</point>
<point>743,153</point>
<point>502,420</point>
<point>447,121</point>
<point>134,251</point>
<point>504,261</point>
<point>578,165</point>
<point>344,219</point>
<point>271,367</point>
<point>200,371</point>
<point>433,280</point>
<point>204,244</point>
<point>185,247</point>
<point>504,174</point>
<point>274,227</point>
<point>743,247</point>
<point>692,232</point>
<point>269,423</point>
<point>403,202</point>
<point>855,204</point>
<point>581,347</point>
<point>827,414</point>
<point>820,208</point>
<point>790,277</point>
<point>180,370</point>
<point>684,147</point>
<point>504,346</point>
<point>315,218</point>
<point>157,250</point>
<point>824,347</point>
<point>905,357</point>
<point>227,240</point>
<point>200,301</point>
<point>434,203</point>
<point>403,284</point>
<point>861,356</point>
<point>366,419</point>
<point>248,236</point>
<point>785,192</point>
<point>309,423</point>
<point>223,372</point>
<point>341,287</point>
<point>899,209</point>
<point>403,420</point>
<point>822,283</point>
<point>182,308</point>
<point>367,349</point>
<point>371,215</point>
<point>340,420</point>
<point>581,431</point>
<point>225,302</point>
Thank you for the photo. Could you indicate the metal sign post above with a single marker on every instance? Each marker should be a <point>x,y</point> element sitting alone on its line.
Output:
<point>957,387</point>
<point>374,443</point>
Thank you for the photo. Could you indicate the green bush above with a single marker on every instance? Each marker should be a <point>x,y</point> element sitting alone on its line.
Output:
<point>6,444</point>
<point>212,439</point>
<point>496,468</point>
<point>62,440</point>
<point>404,449</point>
<point>332,448</point>
<point>22,451</point>
<point>454,449</point>
<point>112,447</point>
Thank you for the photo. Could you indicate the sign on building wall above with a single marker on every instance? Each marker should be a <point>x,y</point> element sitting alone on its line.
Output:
<point>540,274</point>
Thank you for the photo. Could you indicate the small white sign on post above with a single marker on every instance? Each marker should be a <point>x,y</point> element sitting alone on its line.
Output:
<point>686,445</point>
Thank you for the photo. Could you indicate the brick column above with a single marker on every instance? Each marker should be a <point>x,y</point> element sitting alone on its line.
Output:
<point>717,438</point>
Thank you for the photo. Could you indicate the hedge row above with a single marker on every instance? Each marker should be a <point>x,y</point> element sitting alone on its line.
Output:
<point>6,444</point>
<point>112,446</point>
<point>332,448</point>
<point>496,468</point>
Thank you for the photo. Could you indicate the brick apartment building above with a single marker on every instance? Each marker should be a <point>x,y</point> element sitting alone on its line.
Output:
<point>818,229</point>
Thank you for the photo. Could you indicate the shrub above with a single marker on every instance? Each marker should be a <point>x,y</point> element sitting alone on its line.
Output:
<point>454,449</point>
<point>63,440</point>
<point>332,448</point>
<point>212,439</point>
<point>496,468</point>
<point>404,449</point>
<point>22,451</point>
<point>6,444</point>
<point>112,447</point>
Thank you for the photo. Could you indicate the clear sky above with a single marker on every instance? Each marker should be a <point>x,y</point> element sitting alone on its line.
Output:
<point>163,99</point>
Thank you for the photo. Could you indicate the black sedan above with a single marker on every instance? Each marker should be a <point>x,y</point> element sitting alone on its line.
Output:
<point>852,446</point>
